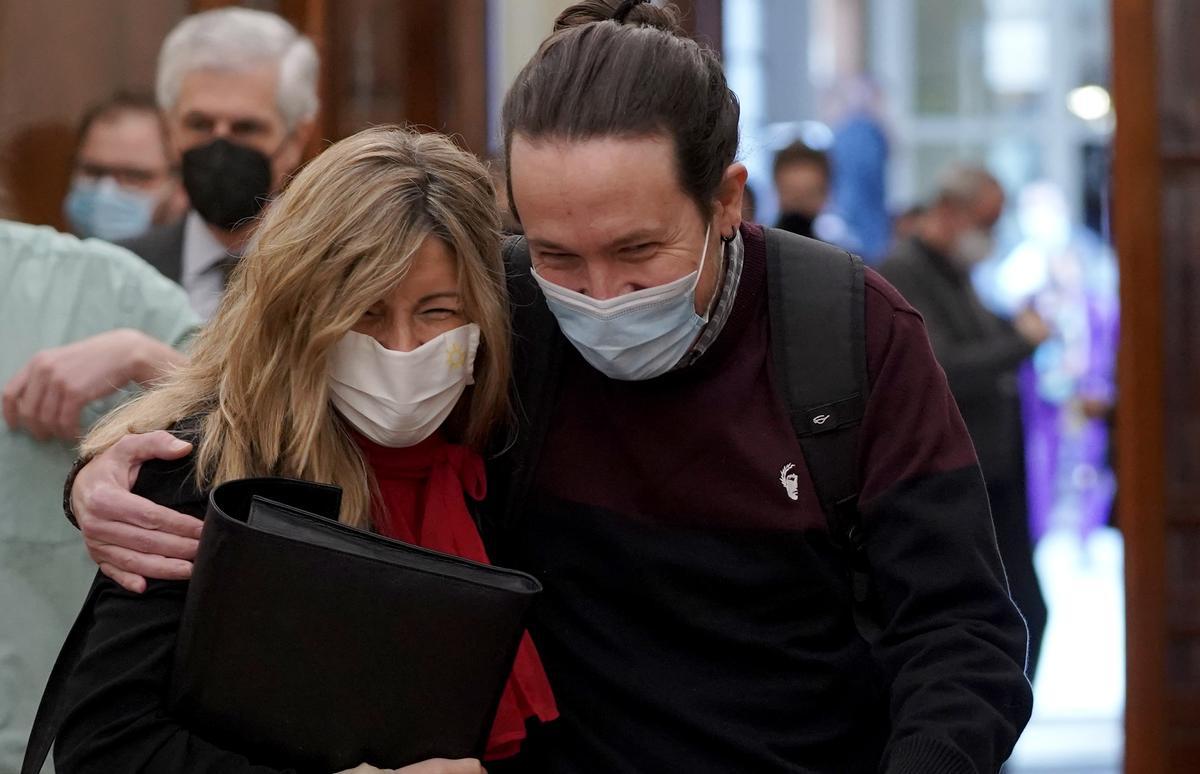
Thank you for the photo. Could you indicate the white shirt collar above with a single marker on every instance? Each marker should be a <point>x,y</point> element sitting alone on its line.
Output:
<point>201,250</point>
<point>201,278</point>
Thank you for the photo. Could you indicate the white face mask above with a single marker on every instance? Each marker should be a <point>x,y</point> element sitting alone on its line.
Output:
<point>399,399</point>
<point>636,336</point>
<point>973,248</point>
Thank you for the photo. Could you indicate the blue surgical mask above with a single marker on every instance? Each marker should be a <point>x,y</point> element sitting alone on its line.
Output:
<point>636,336</point>
<point>103,209</point>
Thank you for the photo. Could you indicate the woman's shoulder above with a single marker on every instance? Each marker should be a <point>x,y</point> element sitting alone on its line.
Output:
<point>173,483</point>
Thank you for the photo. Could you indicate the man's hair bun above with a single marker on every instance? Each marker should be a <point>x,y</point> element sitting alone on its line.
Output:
<point>640,13</point>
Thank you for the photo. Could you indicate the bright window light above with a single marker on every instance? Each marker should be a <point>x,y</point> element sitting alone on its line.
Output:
<point>1091,103</point>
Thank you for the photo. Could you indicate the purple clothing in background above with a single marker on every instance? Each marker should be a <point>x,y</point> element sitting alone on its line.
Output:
<point>1070,480</point>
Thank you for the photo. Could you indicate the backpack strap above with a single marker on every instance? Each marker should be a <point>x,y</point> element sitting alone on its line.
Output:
<point>816,301</point>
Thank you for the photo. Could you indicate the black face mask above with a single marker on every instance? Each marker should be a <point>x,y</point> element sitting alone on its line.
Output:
<point>227,183</point>
<point>797,223</point>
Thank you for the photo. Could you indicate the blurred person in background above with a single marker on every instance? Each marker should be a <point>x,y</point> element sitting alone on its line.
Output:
<point>981,354</point>
<point>859,158</point>
<point>802,182</point>
<point>238,88</point>
<point>907,222</point>
<point>81,320</point>
<point>123,181</point>
<point>1068,390</point>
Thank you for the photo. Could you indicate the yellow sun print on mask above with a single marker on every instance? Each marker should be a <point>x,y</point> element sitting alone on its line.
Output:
<point>456,356</point>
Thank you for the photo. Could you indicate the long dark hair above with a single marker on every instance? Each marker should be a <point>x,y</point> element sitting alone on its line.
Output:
<point>626,69</point>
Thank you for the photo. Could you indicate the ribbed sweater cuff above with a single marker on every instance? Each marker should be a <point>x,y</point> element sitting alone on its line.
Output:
<point>927,755</point>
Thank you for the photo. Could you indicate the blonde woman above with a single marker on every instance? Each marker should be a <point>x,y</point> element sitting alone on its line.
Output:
<point>363,341</point>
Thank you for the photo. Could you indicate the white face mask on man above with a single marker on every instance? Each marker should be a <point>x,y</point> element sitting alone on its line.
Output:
<point>972,248</point>
<point>636,336</point>
<point>399,399</point>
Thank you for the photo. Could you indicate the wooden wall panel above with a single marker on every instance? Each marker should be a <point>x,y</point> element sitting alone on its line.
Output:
<point>1179,137</point>
<point>1179,60</point>
<point>1141,426</point>
<point>421,62</point>
<point>365,66</point>
<point>57,57</point>
<point>467,114</point>
<point>1181,302</point>
<point>1157,198</point>
<point>383,61</point>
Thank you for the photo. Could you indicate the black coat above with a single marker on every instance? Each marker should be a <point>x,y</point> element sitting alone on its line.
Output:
<point>979,351</point>
<point>162,248</point>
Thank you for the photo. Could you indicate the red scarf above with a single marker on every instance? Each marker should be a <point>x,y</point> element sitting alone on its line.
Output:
<point>424,490</point>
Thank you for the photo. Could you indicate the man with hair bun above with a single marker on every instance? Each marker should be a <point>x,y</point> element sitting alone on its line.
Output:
<point>699,611</point>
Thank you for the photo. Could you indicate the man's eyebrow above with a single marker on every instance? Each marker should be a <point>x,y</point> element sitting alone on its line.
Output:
<point>633,237</point>
<point>545,244</point>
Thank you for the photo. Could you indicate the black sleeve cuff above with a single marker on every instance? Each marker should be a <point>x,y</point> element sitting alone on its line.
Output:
<point>68,511</point>
<point>927,755</point>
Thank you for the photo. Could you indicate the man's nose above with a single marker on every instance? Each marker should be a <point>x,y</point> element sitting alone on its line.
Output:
<point>605,281</point>
<point>222,130</point>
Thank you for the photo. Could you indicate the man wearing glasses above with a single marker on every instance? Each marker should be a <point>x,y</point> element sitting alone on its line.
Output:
<point>122,180</point>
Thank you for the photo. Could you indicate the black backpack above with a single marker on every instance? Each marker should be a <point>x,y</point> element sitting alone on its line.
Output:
<point>818,341</point>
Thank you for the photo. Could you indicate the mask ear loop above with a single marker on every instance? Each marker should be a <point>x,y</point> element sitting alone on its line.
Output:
<point>703,257</point>
<point>712,302</point>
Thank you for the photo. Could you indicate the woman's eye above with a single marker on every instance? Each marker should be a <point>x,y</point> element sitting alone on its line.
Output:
<point>439,313</point>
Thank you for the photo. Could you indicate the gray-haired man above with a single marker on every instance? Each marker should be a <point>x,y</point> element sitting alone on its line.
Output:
<point>981,354</point>
<point>239,91</point>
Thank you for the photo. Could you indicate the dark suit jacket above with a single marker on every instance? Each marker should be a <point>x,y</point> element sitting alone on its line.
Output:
<point>979,351</point>
<point>162,248</point>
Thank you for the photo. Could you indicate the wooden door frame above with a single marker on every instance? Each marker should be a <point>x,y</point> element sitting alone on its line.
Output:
<point>1141,425</point>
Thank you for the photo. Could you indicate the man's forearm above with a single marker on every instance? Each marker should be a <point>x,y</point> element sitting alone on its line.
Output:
<point>151,359</point>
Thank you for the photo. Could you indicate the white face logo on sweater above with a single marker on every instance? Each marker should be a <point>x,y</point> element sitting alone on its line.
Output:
<point>790,481</point>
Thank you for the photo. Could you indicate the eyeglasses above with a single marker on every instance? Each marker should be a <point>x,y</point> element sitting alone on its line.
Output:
<point>129,177</point>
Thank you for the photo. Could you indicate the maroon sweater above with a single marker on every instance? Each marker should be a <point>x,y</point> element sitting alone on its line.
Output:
<point>696,618</point>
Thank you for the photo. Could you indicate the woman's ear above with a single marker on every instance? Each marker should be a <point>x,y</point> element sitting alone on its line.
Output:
<point>729,200</point>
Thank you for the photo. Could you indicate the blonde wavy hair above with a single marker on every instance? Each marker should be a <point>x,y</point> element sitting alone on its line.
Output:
<point>340,238</point>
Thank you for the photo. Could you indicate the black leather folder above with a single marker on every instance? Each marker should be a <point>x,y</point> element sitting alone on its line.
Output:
<point>320,646</point>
